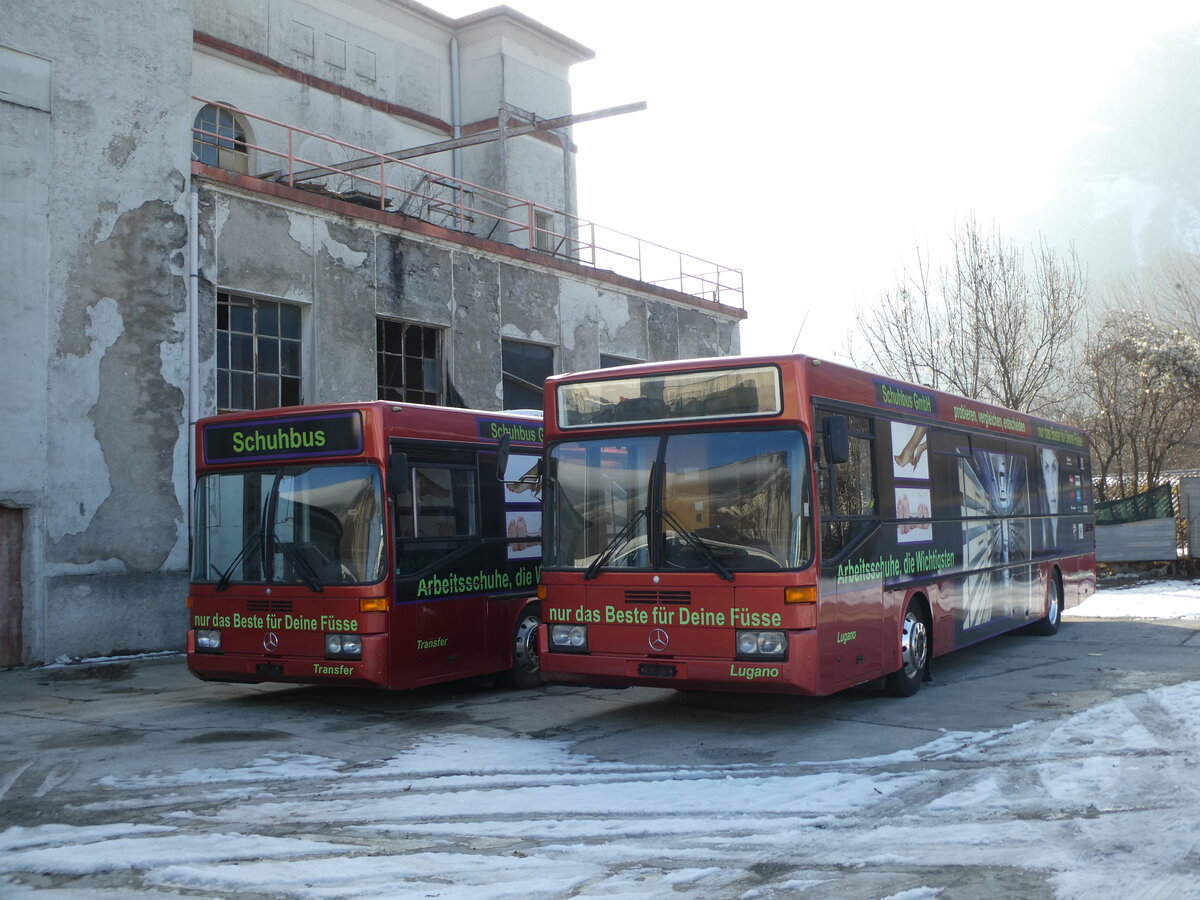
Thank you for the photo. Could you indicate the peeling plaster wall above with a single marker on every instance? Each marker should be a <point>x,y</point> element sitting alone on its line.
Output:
<point>530,305</point>
<point>24,286</point>
<point>343,323</point>
<point>346,272</point>
<point>475,346</point>
<point>102,320</point>
<point>121,407</point>
<point>24,293</point>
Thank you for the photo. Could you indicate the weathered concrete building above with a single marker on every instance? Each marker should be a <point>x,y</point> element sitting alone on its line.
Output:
<point>185,229</point>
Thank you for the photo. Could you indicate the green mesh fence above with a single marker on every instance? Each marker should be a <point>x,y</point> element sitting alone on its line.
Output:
<point>1156,503</point>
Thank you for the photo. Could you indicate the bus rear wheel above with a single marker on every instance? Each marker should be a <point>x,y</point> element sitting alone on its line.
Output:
<point>914,655</point>
<point>526,670</point>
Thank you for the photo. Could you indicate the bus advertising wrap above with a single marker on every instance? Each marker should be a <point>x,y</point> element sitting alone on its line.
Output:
<point>979,512</point>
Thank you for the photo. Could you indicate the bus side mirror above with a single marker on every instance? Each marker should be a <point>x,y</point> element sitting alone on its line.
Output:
<point>502,451</point>
<point>836,440</point>
<point>397,474</point>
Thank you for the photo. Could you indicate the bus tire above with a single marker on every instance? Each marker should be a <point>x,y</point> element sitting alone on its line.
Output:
<point>914,653</point>
<point>1048,624</point>
<point>526,670</point>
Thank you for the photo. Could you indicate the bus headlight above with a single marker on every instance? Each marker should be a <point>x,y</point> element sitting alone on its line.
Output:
<point>761,645</point>
<point>572,638</point>
<point>343,646</point>
<point>208,640</point>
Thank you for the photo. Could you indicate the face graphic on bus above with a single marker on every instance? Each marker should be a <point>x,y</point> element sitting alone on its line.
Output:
<point>1050,478</point>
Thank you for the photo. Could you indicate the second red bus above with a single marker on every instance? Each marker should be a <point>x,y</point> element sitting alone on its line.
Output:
<point>794,525</point>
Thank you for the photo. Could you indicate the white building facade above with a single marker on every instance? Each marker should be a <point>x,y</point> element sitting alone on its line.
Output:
<point>184,230</point>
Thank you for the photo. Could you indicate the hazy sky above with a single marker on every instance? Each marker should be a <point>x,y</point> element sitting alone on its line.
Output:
<point>816,145</point>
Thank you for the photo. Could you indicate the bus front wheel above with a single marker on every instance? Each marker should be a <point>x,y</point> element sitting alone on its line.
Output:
<point>914,654</point>
<point>526,670</point>
<point>1048,624</point>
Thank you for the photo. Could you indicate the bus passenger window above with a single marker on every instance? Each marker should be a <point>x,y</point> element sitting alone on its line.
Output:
<point>435,515</point>
<point>854,493</point>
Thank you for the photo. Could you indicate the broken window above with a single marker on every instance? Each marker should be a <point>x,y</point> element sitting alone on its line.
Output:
<point>526,367</point>
<point>408,362</point>
<point>218,139</point>
<point>258,353</point>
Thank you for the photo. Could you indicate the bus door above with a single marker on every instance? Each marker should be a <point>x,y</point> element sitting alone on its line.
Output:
<point>852,610</point>
<point>442,576</point>
<point>512,509</point>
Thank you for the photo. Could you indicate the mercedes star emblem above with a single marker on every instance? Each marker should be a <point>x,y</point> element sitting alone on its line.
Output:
<point>271,642</point>
<point>659,640</point>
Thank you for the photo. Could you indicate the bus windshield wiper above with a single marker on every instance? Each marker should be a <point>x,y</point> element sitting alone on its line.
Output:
<point>303,567</point>
<point>603,556</point>
<point>254,541</point>
<point>697,544</point>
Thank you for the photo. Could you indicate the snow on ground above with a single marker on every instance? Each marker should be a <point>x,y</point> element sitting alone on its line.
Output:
<point>1150,600</point>
<point>1099,804</point>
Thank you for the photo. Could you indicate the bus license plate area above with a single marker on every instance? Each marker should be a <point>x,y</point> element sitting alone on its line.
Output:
<point>658,670</point>
<point>268,669</point>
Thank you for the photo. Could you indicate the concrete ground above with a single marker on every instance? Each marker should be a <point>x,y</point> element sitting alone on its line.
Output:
<point>69,734</point>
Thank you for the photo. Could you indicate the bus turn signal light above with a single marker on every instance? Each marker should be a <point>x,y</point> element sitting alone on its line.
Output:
<point>541,592</point>
<point>800,595</point>
<point>372,604</point>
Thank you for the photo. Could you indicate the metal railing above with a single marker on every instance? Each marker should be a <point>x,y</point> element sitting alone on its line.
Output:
<point>392,185</point>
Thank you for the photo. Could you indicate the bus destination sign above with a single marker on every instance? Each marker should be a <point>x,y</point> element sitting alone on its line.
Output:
<point>530,432</point>
<point>334,434</point>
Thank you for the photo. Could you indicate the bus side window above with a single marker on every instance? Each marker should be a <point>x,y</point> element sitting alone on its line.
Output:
<point>847,490</point>
<point>405,526</point>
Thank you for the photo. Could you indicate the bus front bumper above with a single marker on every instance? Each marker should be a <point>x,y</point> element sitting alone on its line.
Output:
<point>795,675</point>
<point>246,668</point>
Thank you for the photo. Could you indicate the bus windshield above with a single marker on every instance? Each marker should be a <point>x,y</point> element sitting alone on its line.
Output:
<point>312,525</point>
<point>725,501</point>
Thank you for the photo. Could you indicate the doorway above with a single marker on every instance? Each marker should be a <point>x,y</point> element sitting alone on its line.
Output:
<point>11,602</point>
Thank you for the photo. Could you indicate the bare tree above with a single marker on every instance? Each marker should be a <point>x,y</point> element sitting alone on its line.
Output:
<point>1171,288</point>
<point>1141,381</point>
<point>1140,377</point>
<point>993,325</point>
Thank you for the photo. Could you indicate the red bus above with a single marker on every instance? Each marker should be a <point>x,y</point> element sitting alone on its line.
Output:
<point>365,544</point>
<point>794,525</point>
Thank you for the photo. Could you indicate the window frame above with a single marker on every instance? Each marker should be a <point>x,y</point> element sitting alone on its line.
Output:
<point>517,380</point>
<point>388,359</point>
<point>224,151</point>
<point>543,232</point>
<point>266,351</point>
